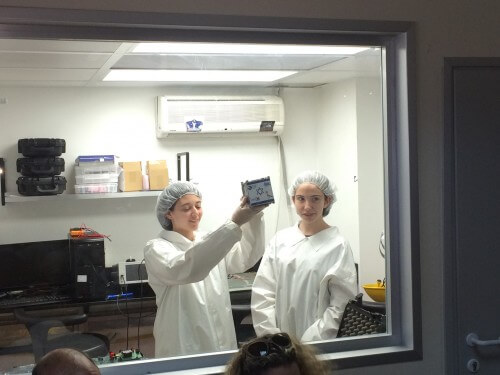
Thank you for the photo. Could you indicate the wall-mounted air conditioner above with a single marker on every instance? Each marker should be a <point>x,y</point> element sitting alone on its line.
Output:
<point>219,115</point>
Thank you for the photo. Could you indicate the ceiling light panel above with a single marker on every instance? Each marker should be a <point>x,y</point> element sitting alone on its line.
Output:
<point>196,75</point>
<point>245,49</point>
<point>225,62</point>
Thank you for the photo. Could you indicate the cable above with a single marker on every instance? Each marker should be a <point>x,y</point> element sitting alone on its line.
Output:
<point>103,279</point>
<point>126,313</point>
<point>126,309</point>
<point>140,305</point>
<point>284,180</point>
<point>279,191</point>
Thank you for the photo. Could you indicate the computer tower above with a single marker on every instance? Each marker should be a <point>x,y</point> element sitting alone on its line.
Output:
<point>88,268</point>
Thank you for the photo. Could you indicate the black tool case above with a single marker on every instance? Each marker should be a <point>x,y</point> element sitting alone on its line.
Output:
<point>40,167</point>
<point>41,185</point>
<point>33,147</point>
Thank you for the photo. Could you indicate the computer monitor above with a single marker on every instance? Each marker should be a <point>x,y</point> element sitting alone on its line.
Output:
<point>43,265</point>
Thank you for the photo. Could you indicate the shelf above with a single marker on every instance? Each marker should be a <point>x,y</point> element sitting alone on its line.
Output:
<point>13,198</point>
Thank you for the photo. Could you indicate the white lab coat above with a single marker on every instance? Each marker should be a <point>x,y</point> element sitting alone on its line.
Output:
<point>189,279</point>
<point>303,284</point>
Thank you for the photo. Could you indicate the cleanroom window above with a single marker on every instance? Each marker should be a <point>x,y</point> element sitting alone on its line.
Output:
<point>348,113</point>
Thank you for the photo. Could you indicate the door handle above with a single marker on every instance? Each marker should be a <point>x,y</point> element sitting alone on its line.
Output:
<point>473,340</point>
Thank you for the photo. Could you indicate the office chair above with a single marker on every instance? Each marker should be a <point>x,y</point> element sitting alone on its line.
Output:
<point>362,318</point>
<point>39,323</point>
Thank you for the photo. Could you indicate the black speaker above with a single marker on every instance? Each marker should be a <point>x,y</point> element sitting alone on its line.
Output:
<point>88,268</point>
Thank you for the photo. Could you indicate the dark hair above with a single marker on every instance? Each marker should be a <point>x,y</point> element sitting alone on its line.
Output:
<point>170,225</point>
<point>273,356</point>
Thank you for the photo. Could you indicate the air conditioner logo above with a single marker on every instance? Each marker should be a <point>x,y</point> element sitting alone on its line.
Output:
<point>194,125</point>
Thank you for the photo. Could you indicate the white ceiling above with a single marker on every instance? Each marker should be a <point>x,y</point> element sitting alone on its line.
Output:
<point>85,63</point>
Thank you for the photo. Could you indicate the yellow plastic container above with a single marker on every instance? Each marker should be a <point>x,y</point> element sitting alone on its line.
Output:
<point>375,291</point>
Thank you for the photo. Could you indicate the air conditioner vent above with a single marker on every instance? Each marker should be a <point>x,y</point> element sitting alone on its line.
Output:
<point>209,115</point>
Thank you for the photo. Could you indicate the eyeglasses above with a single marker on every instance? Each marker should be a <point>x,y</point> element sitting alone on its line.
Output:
<point>277,343</point>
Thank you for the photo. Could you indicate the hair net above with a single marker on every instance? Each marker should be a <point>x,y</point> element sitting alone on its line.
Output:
<point>318,179</point>
<point>169,196</point>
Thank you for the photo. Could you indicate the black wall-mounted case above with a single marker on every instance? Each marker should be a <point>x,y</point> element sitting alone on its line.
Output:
<point>32,186</point>
<point>33,147</point>
<point>40,167</point>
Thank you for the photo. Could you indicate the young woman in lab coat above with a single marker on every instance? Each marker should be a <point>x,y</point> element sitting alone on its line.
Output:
<point>307,274</point>
<point>188,271</point>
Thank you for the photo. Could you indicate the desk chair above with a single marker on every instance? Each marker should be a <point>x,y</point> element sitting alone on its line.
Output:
<point>362,318</point>
<point>39,323</point>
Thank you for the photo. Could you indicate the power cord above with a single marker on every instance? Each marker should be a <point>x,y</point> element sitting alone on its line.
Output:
<point>126,308</point>
<point>140,304</point>
<point>123,291</point>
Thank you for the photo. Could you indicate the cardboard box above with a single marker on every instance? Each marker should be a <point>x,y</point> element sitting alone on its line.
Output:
<point>158,174</point>
<point>131,176</point>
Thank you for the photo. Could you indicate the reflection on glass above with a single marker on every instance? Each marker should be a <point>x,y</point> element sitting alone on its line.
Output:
<point>333,123</point>
<point>333,109</point>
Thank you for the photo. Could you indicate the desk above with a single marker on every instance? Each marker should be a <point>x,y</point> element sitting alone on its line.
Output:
<point>240,291</point>
<point>241,281</point>
<point>91,308</point>
<point>240,288</point>
<point>107,316</point>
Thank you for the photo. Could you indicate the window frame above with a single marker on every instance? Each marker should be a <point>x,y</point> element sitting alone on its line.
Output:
<point>404,339</point>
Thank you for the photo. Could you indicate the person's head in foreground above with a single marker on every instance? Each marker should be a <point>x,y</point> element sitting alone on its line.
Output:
<point>275,354</point>
<point>65,362</point>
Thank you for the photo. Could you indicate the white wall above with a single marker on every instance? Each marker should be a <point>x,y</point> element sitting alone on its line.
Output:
<point>370,178</point>
<point>337,155</point>
<point>343,123</point>
<point>320,134</point>
<point>301,111</point>
<point>121,122</point>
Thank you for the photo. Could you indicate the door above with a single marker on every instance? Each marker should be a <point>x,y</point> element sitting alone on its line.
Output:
<point>472,216</point>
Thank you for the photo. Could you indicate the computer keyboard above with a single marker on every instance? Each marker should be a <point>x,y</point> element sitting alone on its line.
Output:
<point>43,299</point>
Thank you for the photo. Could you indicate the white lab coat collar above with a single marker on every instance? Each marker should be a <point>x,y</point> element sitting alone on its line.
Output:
<point>178,239</point>
<point>316,241</point>
<point>295,236</point>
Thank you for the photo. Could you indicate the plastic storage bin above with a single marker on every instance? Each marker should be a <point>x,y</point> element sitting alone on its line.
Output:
<point>96,178</point>
<point>96,188</point>
<point>92,168</point>
<point>96,159</point>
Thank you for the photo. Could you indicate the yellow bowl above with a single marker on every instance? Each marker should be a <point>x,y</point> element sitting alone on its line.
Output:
<point>375,291</point>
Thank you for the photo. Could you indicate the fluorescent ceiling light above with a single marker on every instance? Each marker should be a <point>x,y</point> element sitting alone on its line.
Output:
<point>245,49</point>
<point>197,75</point>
